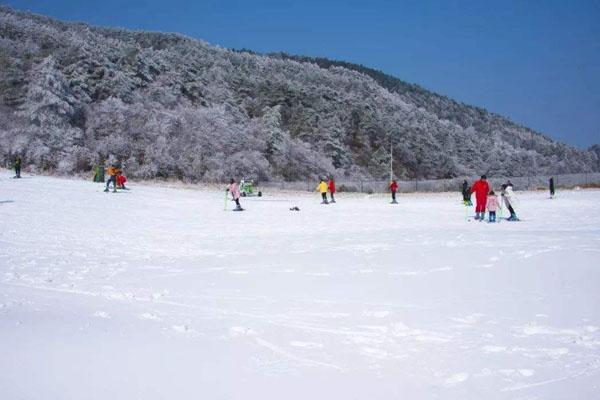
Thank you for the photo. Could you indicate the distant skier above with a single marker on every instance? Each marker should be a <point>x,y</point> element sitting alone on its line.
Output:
<point>508,197</point>
<point>17,166</point>
<point>322,188</point>
<point>331,187</point>
<point>393,189</point>
<point>492,206</point>
<point>98,173</point>
<point>121,179</point>
<point>551,186</point>
<point>466,193</point>
<point>112,173</point>
<point>235,194</point>
<point>481,188</point>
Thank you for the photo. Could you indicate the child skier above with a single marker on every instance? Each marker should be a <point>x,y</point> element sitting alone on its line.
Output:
<point>235,194</point>
<point>481,188</point>
<point>394,189</point>
<point>112,173</point>
<point>492,206</point>
<point>121,179</point>
<point>322,188</point>
<point>466,193</point>
<point>331,186</point>
<point>509,199</point>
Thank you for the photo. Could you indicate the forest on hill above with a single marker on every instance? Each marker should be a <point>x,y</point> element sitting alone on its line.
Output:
<point>165,105</point>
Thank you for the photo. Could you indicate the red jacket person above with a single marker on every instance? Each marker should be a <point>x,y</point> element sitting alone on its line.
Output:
<point>481,188</point>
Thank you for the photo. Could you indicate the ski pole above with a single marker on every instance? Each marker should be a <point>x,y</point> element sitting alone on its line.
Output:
<point>500,211</point>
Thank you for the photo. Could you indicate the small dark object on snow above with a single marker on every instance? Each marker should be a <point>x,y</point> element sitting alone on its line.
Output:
<point>295,208</point>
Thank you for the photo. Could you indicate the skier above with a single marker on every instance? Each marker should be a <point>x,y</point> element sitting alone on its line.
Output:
<point>331,186</point>
<point>551,186</point>
<point>98,173</point>
<point>235,194</point>
<point>112,173</point>
<point>492,206</point>
<point>322,188</point>
<point>509,199</point>
<point>121,179</point>
<point>466,193</point>
<point>17,166</point>
<point>393,188</point>
<point>481,189</point>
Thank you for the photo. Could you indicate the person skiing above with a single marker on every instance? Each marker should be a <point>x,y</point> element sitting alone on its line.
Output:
<point>481,188</point>
<point>322,188</point>
<point>466,193</point>
<point>508,197</point>
<point>235,194</point>
<point>98,173</point>
<point>17,166</point>
<point>112,173</point>
<point>121,179</point>
<point>492,206</point>
<point>331,187</point>
<point>394,188</point>
<point>551,186</point>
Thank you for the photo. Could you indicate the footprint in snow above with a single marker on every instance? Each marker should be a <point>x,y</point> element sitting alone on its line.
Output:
<point>240,331</point>
<point>376,314</point>
<point>306,345</point>
<point>185,329</point>
<point>149,316</point>
<point>493,349</point>
<point>456,379</point>
<point>102,314</point>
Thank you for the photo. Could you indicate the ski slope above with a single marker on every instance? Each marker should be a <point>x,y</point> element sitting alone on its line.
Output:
<point>158,293</point>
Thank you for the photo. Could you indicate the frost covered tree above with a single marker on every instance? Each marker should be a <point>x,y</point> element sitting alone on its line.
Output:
<point>169,106</point>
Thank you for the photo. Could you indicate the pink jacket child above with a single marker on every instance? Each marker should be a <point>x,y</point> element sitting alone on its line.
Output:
<point>234,190</point>
<point>492,205</point>
<point>235,194</point>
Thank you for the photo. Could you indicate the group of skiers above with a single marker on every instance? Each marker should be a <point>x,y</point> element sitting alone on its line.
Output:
<point>486,199</point>
<point>115,176</point>
<point>325,188</point>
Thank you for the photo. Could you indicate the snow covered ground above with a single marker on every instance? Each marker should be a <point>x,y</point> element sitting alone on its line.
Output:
<point>158,293</point>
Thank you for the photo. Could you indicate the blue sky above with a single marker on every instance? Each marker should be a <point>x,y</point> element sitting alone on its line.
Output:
<point>536,62</point>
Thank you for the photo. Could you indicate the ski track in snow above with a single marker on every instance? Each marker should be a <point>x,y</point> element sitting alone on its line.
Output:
<point>411,299</point>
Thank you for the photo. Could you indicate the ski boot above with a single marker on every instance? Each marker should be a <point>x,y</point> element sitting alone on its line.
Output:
<point>106,190</point>
<point>513,217</point>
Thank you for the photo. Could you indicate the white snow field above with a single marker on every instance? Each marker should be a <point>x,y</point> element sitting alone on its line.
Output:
<point>158,293</point>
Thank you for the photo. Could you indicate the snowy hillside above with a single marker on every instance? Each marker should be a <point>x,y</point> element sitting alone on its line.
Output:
<point>73,95</point>
<point>158,293</point>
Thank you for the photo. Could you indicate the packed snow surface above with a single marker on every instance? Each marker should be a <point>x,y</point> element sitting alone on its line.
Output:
<point>158,293</point>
